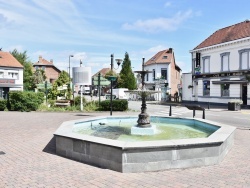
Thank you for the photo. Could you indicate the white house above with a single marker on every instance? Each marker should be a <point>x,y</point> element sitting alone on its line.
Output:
<point>221,66</point>
<point>165,76</point>
<point>11,74</point>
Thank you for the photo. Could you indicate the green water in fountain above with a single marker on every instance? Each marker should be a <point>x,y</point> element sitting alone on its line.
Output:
<point>166,129</point>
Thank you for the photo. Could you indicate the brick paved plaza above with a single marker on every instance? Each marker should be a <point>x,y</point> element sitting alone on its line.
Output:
<point>28,159</point>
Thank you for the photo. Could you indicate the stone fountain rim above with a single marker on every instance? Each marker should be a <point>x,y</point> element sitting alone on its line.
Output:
<point>218,137</point>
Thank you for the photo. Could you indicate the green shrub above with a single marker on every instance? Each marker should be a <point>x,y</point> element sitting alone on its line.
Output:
<point>25,100</point>
<point>51,102</point>
<point>117,105</point>
<point>3,104</point>
<point>91,106</point>
<point>77,101</point>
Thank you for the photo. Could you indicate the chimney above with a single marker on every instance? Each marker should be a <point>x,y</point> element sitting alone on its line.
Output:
<point>51,61</point>
<point>40,59</point>
<point>170,50</point>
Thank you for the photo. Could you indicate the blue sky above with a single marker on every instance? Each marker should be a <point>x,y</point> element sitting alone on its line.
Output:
<point>92,30</point>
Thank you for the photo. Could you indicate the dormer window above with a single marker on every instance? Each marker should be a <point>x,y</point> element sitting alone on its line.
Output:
<point>164,57</point>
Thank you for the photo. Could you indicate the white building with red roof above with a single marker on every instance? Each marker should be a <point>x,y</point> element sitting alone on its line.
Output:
<point>165,76</point>
<point>11,74</point>
<point>221,66</point>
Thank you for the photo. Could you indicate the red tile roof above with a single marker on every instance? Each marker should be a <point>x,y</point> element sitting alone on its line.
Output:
<point>230,33</point>
<point>42,61</point>
<point>103,71</point>
<point>164,56</point>
<point>8,60</point>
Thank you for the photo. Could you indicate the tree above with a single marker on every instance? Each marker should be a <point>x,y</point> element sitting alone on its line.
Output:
<point>39,76</point>
<point>127,78</point>
<point>62,80</point>
<point>28,83</point>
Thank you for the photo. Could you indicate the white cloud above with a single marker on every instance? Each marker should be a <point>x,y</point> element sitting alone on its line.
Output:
<point>159,24</point>
<point>168,4</point>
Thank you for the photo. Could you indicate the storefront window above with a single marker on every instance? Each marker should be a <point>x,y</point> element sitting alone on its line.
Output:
<point>206,88</point>
<point>225,90</point>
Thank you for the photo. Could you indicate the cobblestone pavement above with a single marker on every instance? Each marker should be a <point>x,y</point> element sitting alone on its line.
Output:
<point>28,159</point>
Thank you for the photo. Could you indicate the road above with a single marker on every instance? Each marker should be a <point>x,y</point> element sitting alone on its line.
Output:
<point>240,119</point>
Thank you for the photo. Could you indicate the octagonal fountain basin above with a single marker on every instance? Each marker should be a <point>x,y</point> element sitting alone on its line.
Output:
<point>107,142</point>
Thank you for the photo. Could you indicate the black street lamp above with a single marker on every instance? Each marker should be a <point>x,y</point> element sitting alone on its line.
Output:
<point>113,78</point>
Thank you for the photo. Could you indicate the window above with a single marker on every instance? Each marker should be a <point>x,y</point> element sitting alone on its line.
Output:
<point>147,77</point>
<point>43,67</point>
<point>225,90</point>
<point>164,74</point>
<point>225,61</point>
<point>244,58</point>
<point>164,57</point>
<point>206,88</point>
<point>153,74</point>
<point>13,75</point>
<point>206,64</point>
<point>37,67</point>
<point>1,74</point>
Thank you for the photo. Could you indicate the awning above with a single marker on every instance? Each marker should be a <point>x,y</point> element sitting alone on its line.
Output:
<point>230,82</point>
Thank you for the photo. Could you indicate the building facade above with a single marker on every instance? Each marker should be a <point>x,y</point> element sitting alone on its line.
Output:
<point>165,76</point>
<point>11,74</point>
<point>52,72</point>
<point>221,66</point>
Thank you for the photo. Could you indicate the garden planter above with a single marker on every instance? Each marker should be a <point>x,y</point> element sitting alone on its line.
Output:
<point>234,106</point>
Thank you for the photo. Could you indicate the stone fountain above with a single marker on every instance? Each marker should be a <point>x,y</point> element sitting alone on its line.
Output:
<point>141,156</point>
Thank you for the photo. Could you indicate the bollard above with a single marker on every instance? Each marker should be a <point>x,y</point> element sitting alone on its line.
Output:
<point>193,113</point>
<point>208,105</point>
<point>170,111</point>
<point>203,115</point>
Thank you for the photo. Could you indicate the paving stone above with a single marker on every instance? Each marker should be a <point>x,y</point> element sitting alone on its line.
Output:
<point>29,160</point>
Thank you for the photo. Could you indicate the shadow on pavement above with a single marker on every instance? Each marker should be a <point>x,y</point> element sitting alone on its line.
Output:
<point>51,146</point>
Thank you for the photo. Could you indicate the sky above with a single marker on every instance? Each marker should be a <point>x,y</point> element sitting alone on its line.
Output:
<point>92,30</point>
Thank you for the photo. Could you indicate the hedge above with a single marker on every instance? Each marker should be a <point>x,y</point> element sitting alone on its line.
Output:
<point>3,104</point>
<point>24,100</point>
<point>117,105</point>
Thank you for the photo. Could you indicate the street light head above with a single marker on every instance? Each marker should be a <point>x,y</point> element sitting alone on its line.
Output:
<point>118,61</point>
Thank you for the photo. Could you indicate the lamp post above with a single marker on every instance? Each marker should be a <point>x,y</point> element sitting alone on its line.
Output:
<point>70,78</point>
<point>69,66</point>
<point>113,78</point>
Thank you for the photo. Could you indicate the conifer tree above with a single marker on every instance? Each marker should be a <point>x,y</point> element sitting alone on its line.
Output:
<point>127,78</point>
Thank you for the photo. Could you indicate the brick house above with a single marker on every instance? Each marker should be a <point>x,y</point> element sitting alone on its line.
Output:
<point>165,76</point>
<point>221,66</point>
<point>51,71</point>
<point>11,74</point>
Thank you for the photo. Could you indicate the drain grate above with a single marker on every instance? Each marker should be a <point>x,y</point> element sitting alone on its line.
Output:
<point>2,153</point>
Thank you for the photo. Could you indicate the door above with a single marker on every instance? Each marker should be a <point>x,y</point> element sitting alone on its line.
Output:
<point>244,94</point>
<point>195,91</point>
